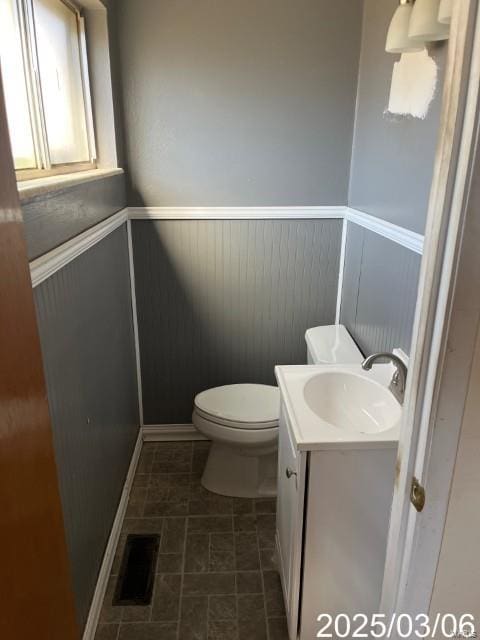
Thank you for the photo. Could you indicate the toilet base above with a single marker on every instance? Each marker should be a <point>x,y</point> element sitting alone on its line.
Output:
<point>229,472</point>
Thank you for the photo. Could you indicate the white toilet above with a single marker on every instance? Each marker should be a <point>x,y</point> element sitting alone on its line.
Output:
<point>241,420</point>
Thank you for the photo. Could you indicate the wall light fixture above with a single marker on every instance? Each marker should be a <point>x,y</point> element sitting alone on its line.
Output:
<point>397,36</point>
<point>424,24</point>
<point>445,11</point>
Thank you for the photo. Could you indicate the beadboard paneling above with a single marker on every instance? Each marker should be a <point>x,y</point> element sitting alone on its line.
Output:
<point>51,219</point>
<point>85,322</point>
<point>223,301</point>
<point>379,291</point>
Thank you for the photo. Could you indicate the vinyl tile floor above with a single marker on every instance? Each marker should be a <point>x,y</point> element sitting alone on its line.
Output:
<point>216,577</point>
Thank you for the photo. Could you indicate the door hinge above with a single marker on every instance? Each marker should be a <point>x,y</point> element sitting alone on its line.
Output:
<point>417,495</point>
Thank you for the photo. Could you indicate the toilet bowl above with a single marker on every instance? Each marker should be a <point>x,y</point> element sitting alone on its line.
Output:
<point>241,420</point>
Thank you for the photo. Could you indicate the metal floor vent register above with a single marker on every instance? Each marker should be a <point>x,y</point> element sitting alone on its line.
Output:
<point>137,573</point>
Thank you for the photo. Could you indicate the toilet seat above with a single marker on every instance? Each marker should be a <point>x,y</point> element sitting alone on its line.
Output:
<point>246,438</point>
<point>232,424</point>
<point>240,406</point>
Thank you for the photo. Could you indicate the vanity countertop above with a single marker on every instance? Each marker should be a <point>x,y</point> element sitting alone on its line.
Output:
<point>312,432</point>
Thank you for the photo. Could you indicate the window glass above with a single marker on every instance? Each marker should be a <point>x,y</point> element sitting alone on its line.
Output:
<point>61,81</point>
<point>14,87</point>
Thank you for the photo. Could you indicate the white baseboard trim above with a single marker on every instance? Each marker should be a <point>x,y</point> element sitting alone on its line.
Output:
<point>170,433</point>
<point>109,555</point>
<point>45,266</point>
<point>235,213</point>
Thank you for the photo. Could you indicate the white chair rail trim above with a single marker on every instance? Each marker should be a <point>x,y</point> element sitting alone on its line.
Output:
<point>234,213</point>
<point>400,235</point>
<point>45,266</point>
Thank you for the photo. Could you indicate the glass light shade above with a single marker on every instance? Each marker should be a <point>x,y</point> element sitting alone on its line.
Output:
<point>445,11</point>
<point>424,25</point>
<point>397,35</point>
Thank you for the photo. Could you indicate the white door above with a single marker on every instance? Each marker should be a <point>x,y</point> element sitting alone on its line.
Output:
<point>444,333</point>
<point>290,502</point>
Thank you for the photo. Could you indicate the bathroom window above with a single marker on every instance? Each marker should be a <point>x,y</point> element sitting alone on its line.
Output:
<point>45,80</point>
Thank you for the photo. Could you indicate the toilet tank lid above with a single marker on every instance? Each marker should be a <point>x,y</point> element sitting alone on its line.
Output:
<point>332,344</point>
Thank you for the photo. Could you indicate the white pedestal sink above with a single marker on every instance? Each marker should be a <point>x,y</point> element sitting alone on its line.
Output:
<point>339,428</point>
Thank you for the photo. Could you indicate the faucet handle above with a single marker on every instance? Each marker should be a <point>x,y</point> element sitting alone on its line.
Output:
<point>399,378</point>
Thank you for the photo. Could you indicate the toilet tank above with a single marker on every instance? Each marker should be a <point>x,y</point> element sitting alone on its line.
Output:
<point>331,344</point>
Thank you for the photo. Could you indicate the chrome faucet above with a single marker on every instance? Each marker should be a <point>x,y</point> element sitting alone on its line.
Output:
<point>399,379</point>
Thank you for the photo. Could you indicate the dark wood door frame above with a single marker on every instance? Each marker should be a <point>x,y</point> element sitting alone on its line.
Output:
<point>36,599</point>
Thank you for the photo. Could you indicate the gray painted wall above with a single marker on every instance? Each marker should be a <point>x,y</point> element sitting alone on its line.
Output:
<point>379,291</point>
<point>391,173</point>
<point>85,323</point>
<point>238,103</point>
<point>224,301</point>
<point>392,158</point>
<point>53,218</point>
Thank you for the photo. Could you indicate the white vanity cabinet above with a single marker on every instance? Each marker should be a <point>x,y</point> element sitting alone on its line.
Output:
<point>333,510</point>
<point>290,517</point>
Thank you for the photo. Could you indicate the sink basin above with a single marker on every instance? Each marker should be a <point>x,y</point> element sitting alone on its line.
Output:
<point>352,402</point>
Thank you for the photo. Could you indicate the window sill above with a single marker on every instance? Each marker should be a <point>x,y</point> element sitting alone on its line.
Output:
<point>28,189</point>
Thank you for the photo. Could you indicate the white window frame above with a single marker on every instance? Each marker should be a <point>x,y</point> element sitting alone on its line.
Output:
<point>44,166</point>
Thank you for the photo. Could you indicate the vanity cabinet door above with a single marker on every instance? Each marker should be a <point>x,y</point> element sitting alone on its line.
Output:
<point>290,502</point>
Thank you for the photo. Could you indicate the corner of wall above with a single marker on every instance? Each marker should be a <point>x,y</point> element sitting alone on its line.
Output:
<point>359,64</point>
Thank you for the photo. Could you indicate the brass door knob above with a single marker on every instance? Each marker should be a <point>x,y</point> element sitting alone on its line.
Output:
<point>417,495</point>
